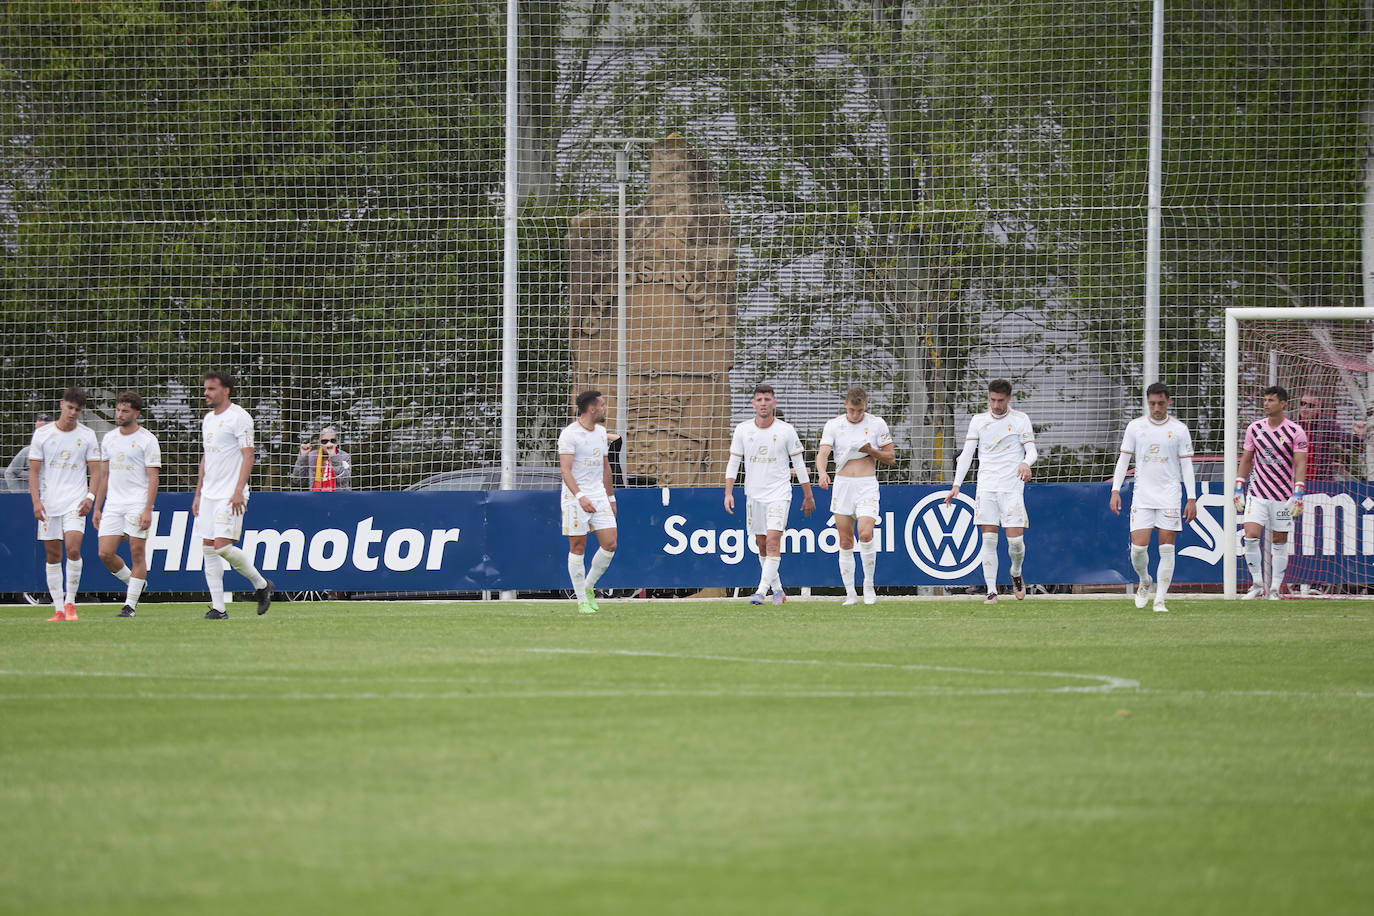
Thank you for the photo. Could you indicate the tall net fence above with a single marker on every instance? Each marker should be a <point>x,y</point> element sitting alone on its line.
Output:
<point>911,196</point>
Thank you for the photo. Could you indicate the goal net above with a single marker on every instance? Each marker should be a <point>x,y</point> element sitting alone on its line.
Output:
<point>1324,362</point>
<point>911,195</point>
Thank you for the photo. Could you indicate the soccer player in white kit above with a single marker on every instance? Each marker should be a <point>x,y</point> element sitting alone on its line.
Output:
<point>1005,444</point>
<point>766,445</point>
<point>131,460</point>
<point>1163,451</point>
<point>221,496</point>
<point>588,497</point>
<point>860,441</point>
<point>61,454</point>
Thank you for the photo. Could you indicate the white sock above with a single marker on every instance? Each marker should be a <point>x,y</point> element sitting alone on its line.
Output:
<point>990,560</point>
<point>770,574</point>
<point>765,580</point>
<point>123,574</point>
<point>602,559</point>
<point>577,573</point>
<point>1279,556</point>
<point>1140,562</point>
<point>847,569</point>
<point>214,576</point>
<point>135,591</point>
<point>73,579</point>
<point>1165,573</point>
<point>868,550</point>
<point>1253,561</point>
<point>1016,549</point>
<point>54,572</point>
<point>239,560</point>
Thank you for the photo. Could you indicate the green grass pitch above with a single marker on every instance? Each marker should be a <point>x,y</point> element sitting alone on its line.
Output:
<point>1051,756</point>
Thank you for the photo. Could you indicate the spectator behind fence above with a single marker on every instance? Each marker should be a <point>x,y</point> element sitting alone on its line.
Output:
<point>1326,438</point>
<point>325,468</point>
<point>17,474</point>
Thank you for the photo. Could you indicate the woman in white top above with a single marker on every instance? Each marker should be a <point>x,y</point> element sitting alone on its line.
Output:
<point>860,440</point>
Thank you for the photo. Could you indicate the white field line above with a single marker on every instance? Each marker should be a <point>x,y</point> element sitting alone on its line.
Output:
<point>1101,683</point>
<point>1107,682</point>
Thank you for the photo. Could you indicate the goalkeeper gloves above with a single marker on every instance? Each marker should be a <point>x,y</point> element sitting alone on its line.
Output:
<point>1238,497</point>
<point>1297,500</point>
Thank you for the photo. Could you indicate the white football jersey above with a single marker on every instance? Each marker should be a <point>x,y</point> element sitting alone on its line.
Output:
<point>588,448</point>
<point>1157,448</point>
<point>62,480</point>
<point>223,434</point>
<point>1001,448</point>
<point>129,458</point>
<point>767,453</point>
<point>847,438</point>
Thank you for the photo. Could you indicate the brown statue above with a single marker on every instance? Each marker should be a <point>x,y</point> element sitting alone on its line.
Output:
<point>680,295</point>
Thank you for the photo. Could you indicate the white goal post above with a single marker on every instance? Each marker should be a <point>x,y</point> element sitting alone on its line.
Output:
<point>1231,416</point>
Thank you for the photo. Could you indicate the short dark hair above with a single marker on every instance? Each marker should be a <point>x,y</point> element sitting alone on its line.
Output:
<point>856,395</point>
<point>1277,391</point>
<point>999,386</point>
<point>224,378</point>
<point>130,398</point>
<point>1157,388</point>
<point>42,418</point>
<point>75,395</point>
<point>764,388</point>
<point>586,399</point>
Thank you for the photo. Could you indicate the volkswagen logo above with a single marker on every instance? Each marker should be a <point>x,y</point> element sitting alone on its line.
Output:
<point>943,540</point>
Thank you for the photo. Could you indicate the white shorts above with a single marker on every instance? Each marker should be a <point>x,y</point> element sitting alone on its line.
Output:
<point>56,526</point>
<point>1144,519</point>
<point>577,521</point>
<point>117,521</point>
<point>761,517</point>
<point>1274,514</point>
<point>218,520</point>
<point>1004,509</point>
<point>857,496</point>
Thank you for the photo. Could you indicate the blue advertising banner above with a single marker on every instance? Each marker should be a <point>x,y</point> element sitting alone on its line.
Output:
<point>457,541</point>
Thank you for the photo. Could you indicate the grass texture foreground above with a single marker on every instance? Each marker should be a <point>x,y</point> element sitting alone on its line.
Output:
<point>1051,756</point>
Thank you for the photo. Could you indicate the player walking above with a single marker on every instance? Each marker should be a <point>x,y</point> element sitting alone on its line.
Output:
<point>61,454</point>
<point>766,445</point>
<point>1005,444</point>
<point>221,496</point>
<point>1163,451</point>
<point>860,440</point>
<point>130,463</point>
<point>588,497</point>
<point>1275,464</point>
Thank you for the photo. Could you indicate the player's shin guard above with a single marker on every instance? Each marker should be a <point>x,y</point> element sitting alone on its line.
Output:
<point>55,587</point>
<point>214,576</point>
<point>135,591</point>
<point>868,550</point>
<point>1253,561</point>
<point>1279,557</point>
<point>73,579</point>
<point>1165,573</point>
<point>989,556</point>
<point>577,574</point>
<point>1016,549</point>
<point>602,559</point>
<point>770,574</point>
<point>239,561</point>
<point>847,569</point>
<point>1140,562</point>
